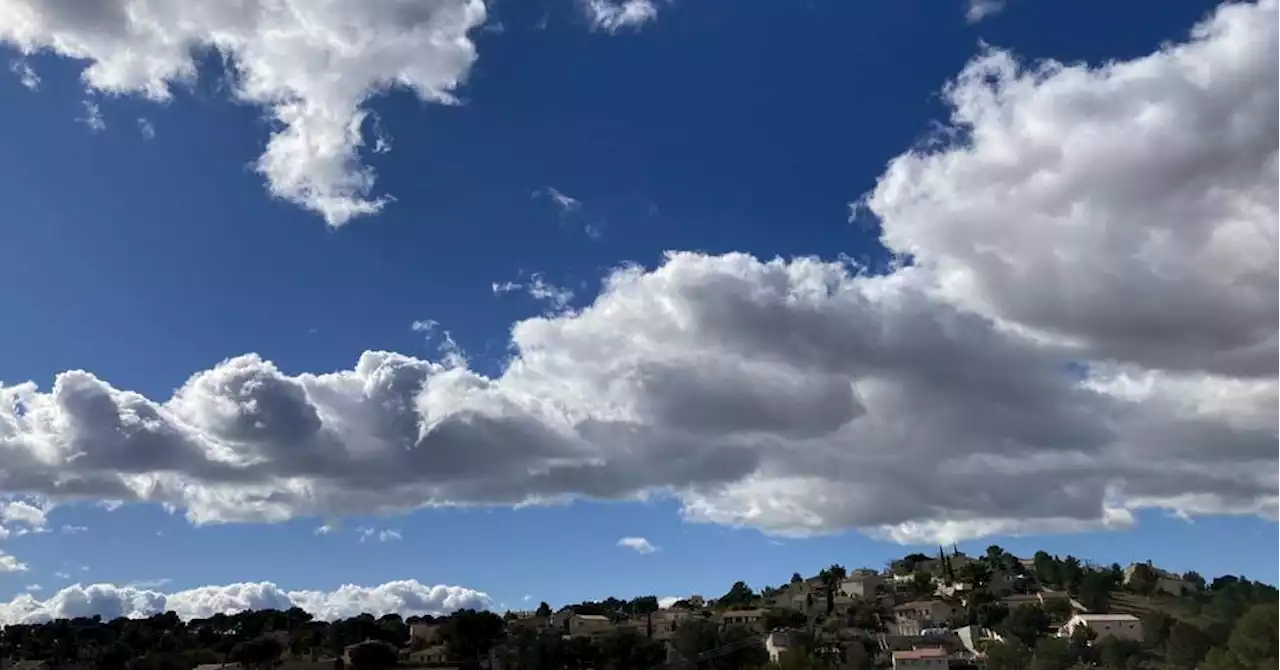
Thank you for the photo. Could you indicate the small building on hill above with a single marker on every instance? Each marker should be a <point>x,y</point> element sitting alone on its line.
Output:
<point>1119,626</point>
<point>928,658</point>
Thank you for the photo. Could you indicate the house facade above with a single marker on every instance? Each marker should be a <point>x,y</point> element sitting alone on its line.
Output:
<point>1119,626</point>
<point>928,658</point>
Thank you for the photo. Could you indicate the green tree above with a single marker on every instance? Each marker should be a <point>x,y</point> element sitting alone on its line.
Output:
<point>784,617</point>
<point>1196,581</point>
<point>1052,653</point>
<point>260,652</point>
<point>831,578</point>
<point>1095,591</point>
<point>1071,572</point>
<point>739,595</point>
<point>1117,654</point>
<point>1155,628</point>
<point>1007,656</point>
<point>1253,641</point>
<point>922,583</point>
<point>1143,579</point>
<point>977,573</point>
<point>1045,568</point>
<point>544,610</point>
<point>1186,646</point>
<point>1026,624</point>
<point>372,655</point>
<point>471,635</point>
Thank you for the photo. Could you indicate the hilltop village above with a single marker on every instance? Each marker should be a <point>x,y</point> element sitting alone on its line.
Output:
<point>949,610</point>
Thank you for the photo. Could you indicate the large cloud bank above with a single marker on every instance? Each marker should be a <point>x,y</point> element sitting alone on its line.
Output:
<point>406,597</point>
<point>1086,326</point>
<point>311,64</point>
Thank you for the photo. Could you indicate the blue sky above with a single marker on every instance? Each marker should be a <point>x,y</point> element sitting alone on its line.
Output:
<point>146,258</point>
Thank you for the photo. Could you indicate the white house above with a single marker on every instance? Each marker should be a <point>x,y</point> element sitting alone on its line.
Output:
<point>929,658</point>
<point>1119,626</point>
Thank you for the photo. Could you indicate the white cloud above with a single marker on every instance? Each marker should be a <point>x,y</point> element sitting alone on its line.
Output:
<point>34,587</point>
<point>326,528</point>
<point>61,575</point>
<point>666,602</point>
<point>149,583</point>
<point>68,529</point>
<point>93,117</point>
<point>26,76</point>
<point>564,203</point>
<point>538,288</point>
<point>9,563</point>
<point>1088,328</point>
<point>311,65</point>
<point>405,597</point>
<point>981,9</point>
<point>638,544</point>
<point>610,16</point>
<point>146,128</point>
<point>19,511</point>
<point>383,535</point>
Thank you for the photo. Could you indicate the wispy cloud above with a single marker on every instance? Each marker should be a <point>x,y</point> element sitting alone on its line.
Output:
<point>452,354</point>
<point>638,544</point>
<point>981,9</point>
<point>384,535</point>
<point>62,575</point>
<point>610,16</point>
<point>68,529</point>
<point>150,583</point>
<point>93,116</point>
<point>34,587</point>
<point>147,128</point>
<point>326,528</point>
<point>566,203</point>
<point>26,75</point>
<point>538,288</point>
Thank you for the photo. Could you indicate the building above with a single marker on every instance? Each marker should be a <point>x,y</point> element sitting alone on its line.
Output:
<point>1119,626</point>
<point>778,642</point>
<point>929,658</point>
<point>1166,582</point>
<point>589,624</point>
<point>753,619</point>
<point>862,584</point>
<point>422,630</point>
<point>435,655</point>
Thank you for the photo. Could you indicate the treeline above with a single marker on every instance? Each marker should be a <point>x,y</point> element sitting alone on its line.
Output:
<point>254,638</point>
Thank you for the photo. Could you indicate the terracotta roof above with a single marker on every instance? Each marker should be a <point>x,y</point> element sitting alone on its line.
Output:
<point>918,654</point>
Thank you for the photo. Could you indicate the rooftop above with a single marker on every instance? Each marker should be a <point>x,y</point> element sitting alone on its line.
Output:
<point>919,654</point>
<point>1106,617</point>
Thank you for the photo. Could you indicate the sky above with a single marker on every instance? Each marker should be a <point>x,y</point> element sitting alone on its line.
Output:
<point>412,306</point>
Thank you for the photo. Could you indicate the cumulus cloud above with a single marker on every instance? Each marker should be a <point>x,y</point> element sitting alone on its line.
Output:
<point>1082,324</point>
<point>981,9</point>
<point>639,545</point>
<point>311,65</point>
<point>405,597</point>
<point>610,16</point>
<point>21,511</point>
